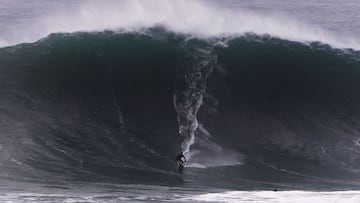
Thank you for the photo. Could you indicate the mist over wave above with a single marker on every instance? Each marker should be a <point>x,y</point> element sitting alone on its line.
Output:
<point>201,19</point>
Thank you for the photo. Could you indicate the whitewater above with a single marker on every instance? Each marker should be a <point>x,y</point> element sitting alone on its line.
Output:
<point>97,98</point>
<point>197,18</point>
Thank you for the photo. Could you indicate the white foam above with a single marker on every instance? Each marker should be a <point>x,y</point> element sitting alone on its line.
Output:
<point>195,17</point>
<point>141,193</point>
<point>279,196</point>
<point>215,158</point>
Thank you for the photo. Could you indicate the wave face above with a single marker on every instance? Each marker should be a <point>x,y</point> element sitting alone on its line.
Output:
<point>118,107</point>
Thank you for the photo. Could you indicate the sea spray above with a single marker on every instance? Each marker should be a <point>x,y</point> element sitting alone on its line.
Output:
<point>197,18</point>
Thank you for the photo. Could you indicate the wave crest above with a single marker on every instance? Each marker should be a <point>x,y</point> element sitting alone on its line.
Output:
<point>198,18</point>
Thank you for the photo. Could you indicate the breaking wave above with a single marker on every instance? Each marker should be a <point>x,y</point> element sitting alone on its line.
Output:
<point>120,106</point>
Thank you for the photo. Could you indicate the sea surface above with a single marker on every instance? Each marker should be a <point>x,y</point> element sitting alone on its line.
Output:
<point>98,97</point>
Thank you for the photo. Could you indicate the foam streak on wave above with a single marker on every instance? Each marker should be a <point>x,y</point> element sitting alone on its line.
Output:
<point>197,18</point>
<point>188,101</point>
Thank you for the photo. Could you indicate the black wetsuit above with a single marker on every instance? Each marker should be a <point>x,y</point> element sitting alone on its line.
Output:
<point>179,158</point>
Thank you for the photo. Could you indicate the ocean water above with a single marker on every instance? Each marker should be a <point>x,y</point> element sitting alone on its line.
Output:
<point>97,98</point>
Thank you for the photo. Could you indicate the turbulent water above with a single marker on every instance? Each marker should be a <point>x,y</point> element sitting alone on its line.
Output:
<point>96,110</point>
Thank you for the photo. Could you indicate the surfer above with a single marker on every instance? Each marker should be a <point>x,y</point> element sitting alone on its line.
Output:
<point>180,157</point>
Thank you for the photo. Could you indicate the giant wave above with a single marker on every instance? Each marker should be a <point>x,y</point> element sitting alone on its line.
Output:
<point>117,106</point>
